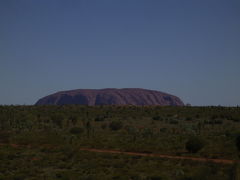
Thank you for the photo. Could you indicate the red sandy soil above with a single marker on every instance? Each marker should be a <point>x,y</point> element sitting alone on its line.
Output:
<point>223,161</point>
<point>199,159</point>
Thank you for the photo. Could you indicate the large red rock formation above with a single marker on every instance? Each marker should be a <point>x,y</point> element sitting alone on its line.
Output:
<point>127,96</point>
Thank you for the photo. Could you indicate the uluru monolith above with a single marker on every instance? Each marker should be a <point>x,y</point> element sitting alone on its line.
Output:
<point>126,96</point>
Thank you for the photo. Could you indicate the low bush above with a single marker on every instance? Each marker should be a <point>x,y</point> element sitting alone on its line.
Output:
<point>194,144</point>
<point>76,130</point>
<point>115,125</point>
<point>238,142</point>
<point>157,118</point>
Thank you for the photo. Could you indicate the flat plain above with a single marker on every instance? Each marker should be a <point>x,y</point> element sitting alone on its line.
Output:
<point>119,142</point>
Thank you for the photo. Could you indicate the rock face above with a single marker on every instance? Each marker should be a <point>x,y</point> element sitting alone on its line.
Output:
<point>127,96</point>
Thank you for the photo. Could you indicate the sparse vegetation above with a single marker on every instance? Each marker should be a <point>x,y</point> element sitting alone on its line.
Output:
<point>48,139</point>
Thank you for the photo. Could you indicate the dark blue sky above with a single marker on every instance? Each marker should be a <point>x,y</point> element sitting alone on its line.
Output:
<point>187,48</point>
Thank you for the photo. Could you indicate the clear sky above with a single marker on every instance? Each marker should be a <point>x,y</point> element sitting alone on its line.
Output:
<point>189,48</point>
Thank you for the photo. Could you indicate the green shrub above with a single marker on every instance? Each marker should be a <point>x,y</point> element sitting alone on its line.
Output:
<point>4,137</point>
<point>115,125</point>
<point>154,178</point>
<point>188,119</point>
<point>99,118</point>
<point>238,142</point>
<point>236,119</point>
<point>103,126</point>
<point>76,130</point>
<point>157,118</point>
<point>163,130</point>
<point>194,144</point>
<point>173,122</point>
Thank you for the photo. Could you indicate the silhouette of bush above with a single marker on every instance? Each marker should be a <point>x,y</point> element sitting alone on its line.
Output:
<point>154,178</point>
<point>173,122</point>
<point>238,142</point>
<point>157,118</point>
<point>76,130</point>
<point>103,126</point>
<point>4,137</point>
<point>99,118</point>
<point>115,125</point>
<point>188,119</point>
<point>194,144</point>
<point>57,119</point>
<point>135,177</point>
<point>187,178</point>
<point>236,119</point>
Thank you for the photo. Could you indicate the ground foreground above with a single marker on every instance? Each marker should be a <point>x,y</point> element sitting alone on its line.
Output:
<point>110,142</point>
